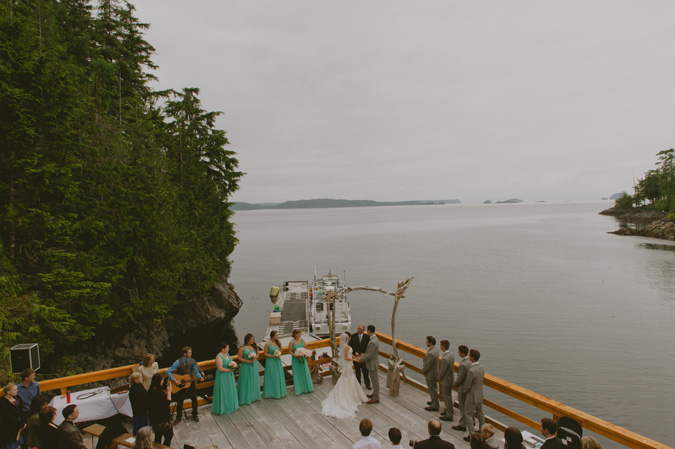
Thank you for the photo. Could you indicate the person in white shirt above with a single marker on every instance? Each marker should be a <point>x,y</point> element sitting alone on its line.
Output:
<point>395,438</point>
<point>366,441</point>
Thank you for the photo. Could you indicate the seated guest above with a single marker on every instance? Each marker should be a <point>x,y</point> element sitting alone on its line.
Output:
<point>33,424</point>
<point>513,439</point>
<point>148,369</point>
<point>395,438</point>
<point>488,432</point>
<point>138,397</point>
<point>477,441</point>
<point>366,441</point>
<point>548,430</point>
<point>144,438</point>
<point>590,443</point>
<point>69,435</point>
<point>159,409</point>
<point>434,441</point>
<point>48,430</point>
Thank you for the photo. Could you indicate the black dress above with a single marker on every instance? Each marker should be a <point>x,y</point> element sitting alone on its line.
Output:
<point>48,436</point>
<point>11,423</point>
<point>159,412</point>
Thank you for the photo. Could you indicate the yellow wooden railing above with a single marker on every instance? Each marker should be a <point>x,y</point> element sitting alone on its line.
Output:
<point>556,409</point>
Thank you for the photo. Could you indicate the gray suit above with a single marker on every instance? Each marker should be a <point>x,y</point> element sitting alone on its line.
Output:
<point>473,386</point>
<point>372,359</point>
<point>447,376</point>
<point>462,371</point>
<point>430,370</point>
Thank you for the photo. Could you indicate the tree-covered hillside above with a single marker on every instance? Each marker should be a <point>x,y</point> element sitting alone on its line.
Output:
<point>656,190</point>
<point>113,197</point>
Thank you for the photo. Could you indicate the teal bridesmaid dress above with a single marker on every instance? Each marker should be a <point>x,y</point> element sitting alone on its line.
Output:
<point>249,381</point>
<point>302,379</point>
<point>224,390</point>
<point>275,382</point>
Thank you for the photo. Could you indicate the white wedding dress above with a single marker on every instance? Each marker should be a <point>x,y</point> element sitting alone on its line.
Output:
<point>346,395</point>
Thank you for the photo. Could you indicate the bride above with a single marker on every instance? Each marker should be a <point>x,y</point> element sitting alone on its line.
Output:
<point>347,394</point>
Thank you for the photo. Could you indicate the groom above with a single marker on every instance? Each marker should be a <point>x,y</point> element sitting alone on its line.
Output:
<point>372,360</point>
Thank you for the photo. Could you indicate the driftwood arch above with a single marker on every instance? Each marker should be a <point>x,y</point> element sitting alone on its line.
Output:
<point>395,363</point>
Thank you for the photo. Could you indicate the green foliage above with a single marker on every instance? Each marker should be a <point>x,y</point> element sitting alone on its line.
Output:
<point>657,189</point>
<point>625,201</point>
<point>113,198</point>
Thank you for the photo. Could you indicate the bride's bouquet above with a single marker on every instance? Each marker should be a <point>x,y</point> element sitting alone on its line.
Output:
<point>277,353</point>
<point>232,365</point>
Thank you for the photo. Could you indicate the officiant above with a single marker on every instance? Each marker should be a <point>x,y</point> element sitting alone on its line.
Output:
<point>359,343</point>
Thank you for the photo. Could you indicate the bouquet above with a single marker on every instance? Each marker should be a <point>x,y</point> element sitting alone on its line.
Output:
<point>277,353</point>
<point>302,352</point>
<point>232,365</point>
<point>252,356</point>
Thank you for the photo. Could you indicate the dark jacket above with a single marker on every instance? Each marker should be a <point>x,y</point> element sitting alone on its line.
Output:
<point>159,409</point>
<point>553,443</point>
<point>49,436</point>
<point>69,436</point>
<point>356,346</point>
<point>434,442</point>
<point>139,399</point>
<point>10,420</point>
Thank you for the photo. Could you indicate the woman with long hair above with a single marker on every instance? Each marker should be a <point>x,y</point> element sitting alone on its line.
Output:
<point>10,417</point>
<point>249,379</point>
<point>33,439</point>
<point>144,438</point>
<point>346,395</point>
<point>48,430</point>
<point>159,409</point>
<point>225,398</point>
<point>302,379</point>
<point>513,438</point>
<point>274,385</point>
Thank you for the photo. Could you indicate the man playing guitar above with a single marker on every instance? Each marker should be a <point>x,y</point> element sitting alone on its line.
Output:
<point>185,365</point>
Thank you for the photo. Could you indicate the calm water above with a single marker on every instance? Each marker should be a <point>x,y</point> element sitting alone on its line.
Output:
<point>553,302</point>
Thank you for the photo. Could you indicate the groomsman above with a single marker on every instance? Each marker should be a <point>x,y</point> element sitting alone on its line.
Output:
<point>359,342</point>
<point>430,371</point>
<point>473,388</point>
<point>464,365</point>
<point>447,378</point>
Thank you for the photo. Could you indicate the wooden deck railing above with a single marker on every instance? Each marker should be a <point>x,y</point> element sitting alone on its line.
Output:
<point>556,409</point>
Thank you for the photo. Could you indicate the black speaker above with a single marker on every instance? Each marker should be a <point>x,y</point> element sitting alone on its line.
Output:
<point>25,355</point>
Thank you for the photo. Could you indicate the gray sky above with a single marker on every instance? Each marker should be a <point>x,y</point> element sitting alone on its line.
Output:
<point>402,100</point>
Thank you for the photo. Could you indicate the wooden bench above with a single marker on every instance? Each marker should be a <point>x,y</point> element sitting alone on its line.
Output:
<point>95,430</point>
<point>122,440</point>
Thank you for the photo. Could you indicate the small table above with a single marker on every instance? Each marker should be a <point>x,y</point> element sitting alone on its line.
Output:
<point>93,404</point>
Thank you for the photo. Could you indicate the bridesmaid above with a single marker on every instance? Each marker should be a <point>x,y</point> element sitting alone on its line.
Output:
<point>275,382</point>
<point>224,389</point>
<point>249,379</point>
<point>302,379</point>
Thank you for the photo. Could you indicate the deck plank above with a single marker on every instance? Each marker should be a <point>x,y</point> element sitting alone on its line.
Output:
<point>263,410</point>
<point>230,431</point>
<point>213,430</point>
<point>247,430</point>
<point>266,433</point>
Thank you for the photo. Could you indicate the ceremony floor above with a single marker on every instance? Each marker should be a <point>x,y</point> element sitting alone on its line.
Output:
<point>296,422</point>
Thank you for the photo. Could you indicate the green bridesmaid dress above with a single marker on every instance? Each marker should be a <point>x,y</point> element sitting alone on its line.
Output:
<point>224,390</point>
<point>249,381</point>
<point>302,379</point>
<point>275,382</point>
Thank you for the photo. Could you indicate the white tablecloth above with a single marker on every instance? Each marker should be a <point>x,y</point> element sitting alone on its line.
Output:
<point>93,404</point>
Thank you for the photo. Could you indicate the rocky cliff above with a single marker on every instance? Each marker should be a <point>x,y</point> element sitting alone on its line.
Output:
<point>201,324</point>
<point>645,223</point>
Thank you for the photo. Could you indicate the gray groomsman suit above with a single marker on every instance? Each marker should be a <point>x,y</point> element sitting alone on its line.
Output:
<point>473,386</point>
<point>430,371</point>
<point>462,371</point>
<point>372,359</point>
<point>447,376</point>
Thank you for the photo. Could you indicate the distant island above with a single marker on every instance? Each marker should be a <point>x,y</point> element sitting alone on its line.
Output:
<point>509,201</point>
<point>325,203</point>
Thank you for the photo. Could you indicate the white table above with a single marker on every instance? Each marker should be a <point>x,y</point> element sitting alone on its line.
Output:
<point>93,404</point>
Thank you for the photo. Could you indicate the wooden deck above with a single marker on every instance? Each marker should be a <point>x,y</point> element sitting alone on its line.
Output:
<point>296,421</point>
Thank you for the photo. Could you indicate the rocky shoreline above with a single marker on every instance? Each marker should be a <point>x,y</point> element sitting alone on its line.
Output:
<point>644,223</point>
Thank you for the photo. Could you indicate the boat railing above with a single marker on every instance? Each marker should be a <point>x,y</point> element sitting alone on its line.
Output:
<point>555,408</point>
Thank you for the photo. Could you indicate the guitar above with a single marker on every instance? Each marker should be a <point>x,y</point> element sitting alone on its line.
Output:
<point>185,381</point>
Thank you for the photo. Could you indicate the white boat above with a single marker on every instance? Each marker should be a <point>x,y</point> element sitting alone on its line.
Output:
<point>327,285</point>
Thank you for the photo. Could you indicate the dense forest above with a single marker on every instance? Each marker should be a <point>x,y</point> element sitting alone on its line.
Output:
<point>113,196</point>
<point>656,190</point>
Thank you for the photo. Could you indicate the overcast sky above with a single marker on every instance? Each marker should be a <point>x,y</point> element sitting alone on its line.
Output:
<point>404,100</point>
